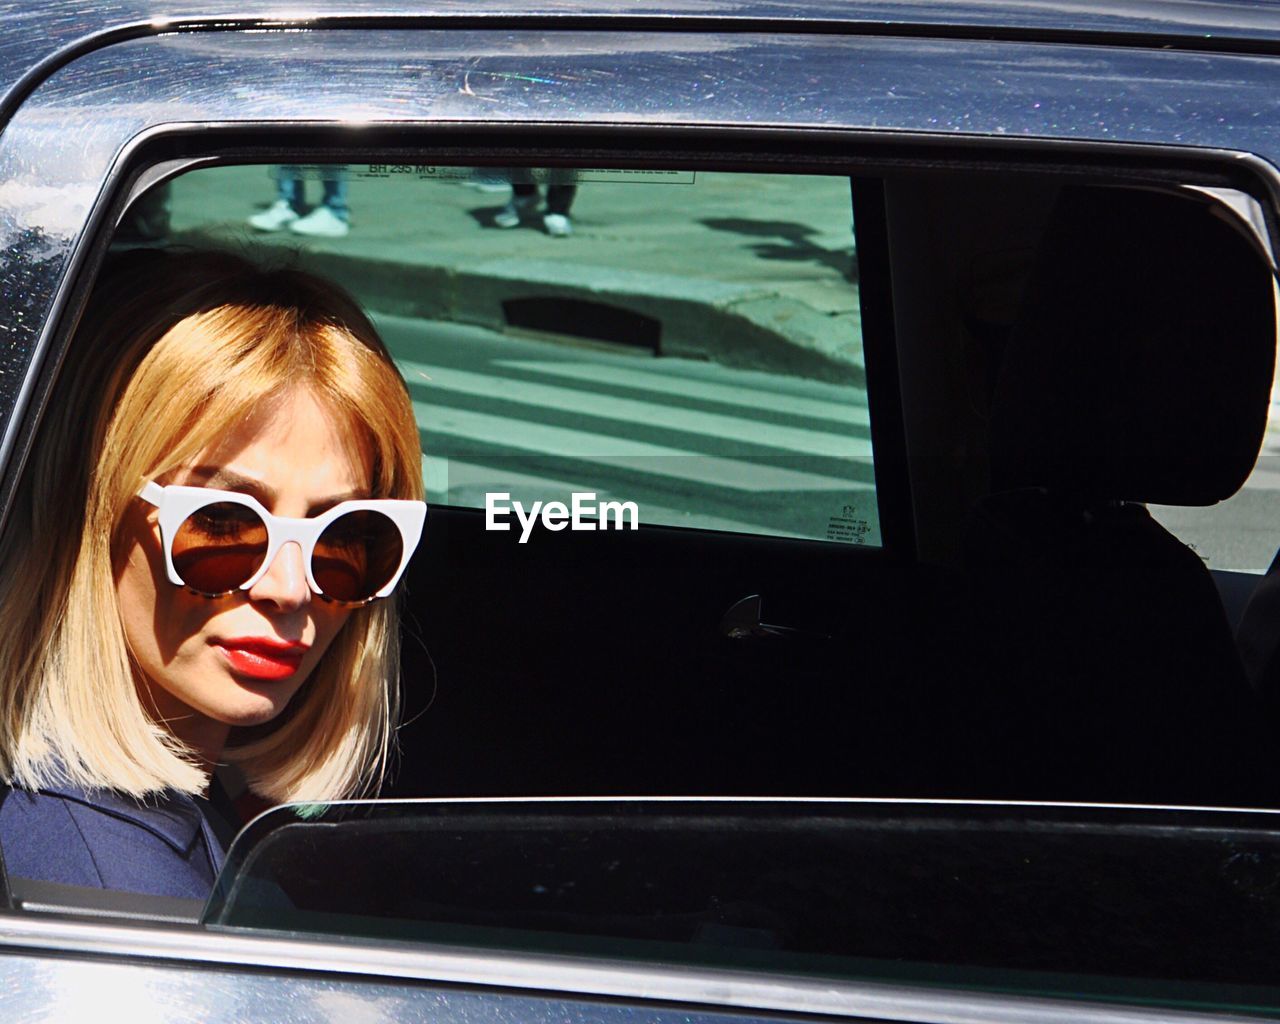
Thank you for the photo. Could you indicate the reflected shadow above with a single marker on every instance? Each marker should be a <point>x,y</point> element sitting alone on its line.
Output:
<point>485,217</point>
<point>794,242</point>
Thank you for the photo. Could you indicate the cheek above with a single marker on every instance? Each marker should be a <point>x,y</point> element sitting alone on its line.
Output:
<point>329,622</point>
<point>136,561</point>
<point>156,615</point>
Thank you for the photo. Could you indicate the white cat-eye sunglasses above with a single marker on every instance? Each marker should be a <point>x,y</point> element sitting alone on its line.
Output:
<point>216,542</point>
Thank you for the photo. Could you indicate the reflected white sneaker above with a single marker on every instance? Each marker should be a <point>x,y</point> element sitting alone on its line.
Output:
<point>487,183</point>
<point>515,211</point>
<point>321,222</point>
<point>557,225</point>
<point>275,217</point>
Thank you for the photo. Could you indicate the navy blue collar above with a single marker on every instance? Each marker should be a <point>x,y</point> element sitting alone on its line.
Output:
<point>172,816</point>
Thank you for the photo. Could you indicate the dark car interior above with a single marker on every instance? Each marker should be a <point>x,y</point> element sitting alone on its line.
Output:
<point>1047,639</point>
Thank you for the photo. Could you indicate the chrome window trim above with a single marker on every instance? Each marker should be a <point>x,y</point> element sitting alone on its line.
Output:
<point>652,984</point>
<point>1262,814</point>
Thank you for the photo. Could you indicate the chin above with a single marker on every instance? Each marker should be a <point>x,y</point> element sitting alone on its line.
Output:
<point>250,714</point>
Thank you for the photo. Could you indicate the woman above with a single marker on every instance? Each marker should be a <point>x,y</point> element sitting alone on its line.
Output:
<point>226,485</point>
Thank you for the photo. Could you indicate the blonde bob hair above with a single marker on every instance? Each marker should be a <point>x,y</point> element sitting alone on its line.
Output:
<point>173,351</point>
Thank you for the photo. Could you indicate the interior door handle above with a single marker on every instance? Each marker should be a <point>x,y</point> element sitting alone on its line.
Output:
<point>743,621</point>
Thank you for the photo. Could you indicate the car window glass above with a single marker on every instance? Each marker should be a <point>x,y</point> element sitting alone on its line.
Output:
<point>1163,905</point>
<point>665,347</point>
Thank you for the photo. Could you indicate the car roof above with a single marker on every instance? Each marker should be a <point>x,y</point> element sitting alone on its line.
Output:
<point>40,36</point>
<point>1208,20</point>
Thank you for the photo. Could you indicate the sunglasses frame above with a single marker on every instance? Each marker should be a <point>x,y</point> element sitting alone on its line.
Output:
<point>176,502</point>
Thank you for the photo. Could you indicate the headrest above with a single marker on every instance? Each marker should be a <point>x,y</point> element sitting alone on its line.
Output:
<point>1140,366</point>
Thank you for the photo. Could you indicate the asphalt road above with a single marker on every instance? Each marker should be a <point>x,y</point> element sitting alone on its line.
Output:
<point>692,443</point>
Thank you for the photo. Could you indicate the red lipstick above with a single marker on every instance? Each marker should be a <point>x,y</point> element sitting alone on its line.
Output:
<point>262,657</point>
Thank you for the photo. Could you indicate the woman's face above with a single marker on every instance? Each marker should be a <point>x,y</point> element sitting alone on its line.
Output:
<point>213,663</point>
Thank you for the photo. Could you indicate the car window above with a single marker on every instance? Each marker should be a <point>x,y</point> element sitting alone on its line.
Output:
<point>714,377</point>
<point>606,365</point>
<point>1172,907</point>
<point>686,347</point>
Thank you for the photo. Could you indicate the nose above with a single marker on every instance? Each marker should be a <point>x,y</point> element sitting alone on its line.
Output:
<point>284,584</point>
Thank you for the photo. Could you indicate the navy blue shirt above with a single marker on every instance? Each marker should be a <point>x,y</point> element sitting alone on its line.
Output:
<point>170,845</point>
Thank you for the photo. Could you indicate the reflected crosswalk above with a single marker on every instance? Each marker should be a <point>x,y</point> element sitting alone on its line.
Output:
<point>696,444</point>
<point>678,382</point>
<point>624,454</point>
<point>585,402</point>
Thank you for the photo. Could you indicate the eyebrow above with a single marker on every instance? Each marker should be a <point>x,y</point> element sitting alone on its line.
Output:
<point>229,480</point>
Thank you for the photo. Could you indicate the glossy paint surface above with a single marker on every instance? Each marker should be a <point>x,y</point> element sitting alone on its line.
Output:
<point>45,989</point>
<point>36,33</point>
<point>63,970</point>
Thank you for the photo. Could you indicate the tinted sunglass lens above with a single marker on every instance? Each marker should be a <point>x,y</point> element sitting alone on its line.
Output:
<point>219,546</point>
<point>356,555</point>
